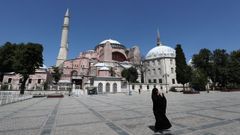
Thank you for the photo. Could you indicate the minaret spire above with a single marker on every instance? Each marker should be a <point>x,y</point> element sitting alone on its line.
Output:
<point>158,38</point>
<point>63,51</point>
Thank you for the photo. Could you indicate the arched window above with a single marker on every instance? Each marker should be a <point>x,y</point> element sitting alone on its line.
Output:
<point>100,88</point>
<point>172,70</point>
<point>117,56</point>
<point>74,73</point>
<point>114,88</point>
<point>107,87</point>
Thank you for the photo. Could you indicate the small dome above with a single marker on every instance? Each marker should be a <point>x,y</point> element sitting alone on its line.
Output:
<point>104,69</point>
<point>161,52</point>
<point>111,41</point>
<point>43,67</point>
<point>101,64</point>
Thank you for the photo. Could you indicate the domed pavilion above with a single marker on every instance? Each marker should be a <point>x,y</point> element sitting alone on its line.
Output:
<point>160,66</point>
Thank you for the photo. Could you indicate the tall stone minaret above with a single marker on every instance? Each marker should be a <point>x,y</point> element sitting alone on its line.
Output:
<point>158,38</point>
<point>63,51</point>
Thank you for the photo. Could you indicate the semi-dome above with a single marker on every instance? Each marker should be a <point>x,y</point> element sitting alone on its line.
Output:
<point>161,52</point>
<point>104,69</point>
<point>43,67</point>
<point>111,41</point>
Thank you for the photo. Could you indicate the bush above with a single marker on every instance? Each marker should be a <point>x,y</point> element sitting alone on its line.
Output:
<point>4,87</point>
<point>173,89</point>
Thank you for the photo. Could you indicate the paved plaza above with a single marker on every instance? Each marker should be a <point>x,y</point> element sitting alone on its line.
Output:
<point>214,113</point>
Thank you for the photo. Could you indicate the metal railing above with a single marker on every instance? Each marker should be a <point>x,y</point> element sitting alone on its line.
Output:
<point>7,97</point>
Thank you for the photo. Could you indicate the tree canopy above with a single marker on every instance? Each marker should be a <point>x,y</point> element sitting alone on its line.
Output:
<point>183,71</point>
<point>6,58</point>
<point>221,67</point>
<point>130,74</point>
<point>22,59</point>
<point>56,74</point>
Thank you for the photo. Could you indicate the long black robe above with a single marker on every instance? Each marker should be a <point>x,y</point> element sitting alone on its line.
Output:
<point>159,111</point>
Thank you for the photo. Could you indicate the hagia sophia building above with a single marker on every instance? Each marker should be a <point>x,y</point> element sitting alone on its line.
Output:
<point>100,69</point>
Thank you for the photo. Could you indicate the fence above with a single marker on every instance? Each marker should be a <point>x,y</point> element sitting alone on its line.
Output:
<point>7,97</point>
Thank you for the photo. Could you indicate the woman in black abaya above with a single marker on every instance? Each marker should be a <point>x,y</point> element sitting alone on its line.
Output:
<point>159,110</point>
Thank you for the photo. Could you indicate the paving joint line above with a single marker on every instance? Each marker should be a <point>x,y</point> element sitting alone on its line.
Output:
<point>109,123</point>
<point>49,125</point>
<point>21,109</point>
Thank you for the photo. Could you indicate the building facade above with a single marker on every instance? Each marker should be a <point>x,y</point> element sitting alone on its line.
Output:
<point>12,81</point>
<point>100,68</point>
<point>160,66</point>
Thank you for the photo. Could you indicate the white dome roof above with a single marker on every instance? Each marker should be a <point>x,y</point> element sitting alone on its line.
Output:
<point>110,40</point>
<point>104,69</point>
<point>101,65</point>
<point>161,52</point>
<point>43,67</point>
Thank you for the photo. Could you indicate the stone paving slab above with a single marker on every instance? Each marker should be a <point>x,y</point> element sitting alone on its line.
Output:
<point>214,113</point>
<point>21,132</point>
<point>71,119</point>
<point>21,123</point>
<point>87,129</point>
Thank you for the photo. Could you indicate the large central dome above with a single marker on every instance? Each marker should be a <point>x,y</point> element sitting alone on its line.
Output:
<point>161,51</point>
<point>111,41</point>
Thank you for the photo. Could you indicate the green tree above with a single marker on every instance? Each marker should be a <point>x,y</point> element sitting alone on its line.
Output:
<point>56,74</point>
<point>27,58</point>
<point>183,71</point>
<point>130,74</point>
<point>221,61</point>
<point>234,69</point>
<point>203,61</point>
<point>6,58</point>
<point>198,79</point>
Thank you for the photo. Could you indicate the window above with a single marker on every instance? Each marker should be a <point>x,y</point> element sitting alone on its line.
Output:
<point>172,70</point>
<point>140,86</point>
<point>108,87</point>
<point>133,87</point>
<point>154,72</point>
<point>173,81</point>
<point>160,80</point>
<point>100,88</point>
<point>149,81</point>
<point>39,81</point>
<point>9,80</point>
<point>171,61</point>
<point>159,62</point>
<point>154,80</point>
<point>29,81</point>
<point>159,70</point>
<point>147,86</point>
<point>115,88</point>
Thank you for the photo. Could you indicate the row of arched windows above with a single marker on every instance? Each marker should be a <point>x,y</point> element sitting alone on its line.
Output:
<point>107,88</point>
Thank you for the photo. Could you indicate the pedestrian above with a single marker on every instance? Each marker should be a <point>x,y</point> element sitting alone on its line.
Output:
<point>139,91</point>
<point>159,110</point>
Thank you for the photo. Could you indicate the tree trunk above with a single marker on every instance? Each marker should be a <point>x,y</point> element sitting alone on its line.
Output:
<point>1,76</point>
<point>23,85</point>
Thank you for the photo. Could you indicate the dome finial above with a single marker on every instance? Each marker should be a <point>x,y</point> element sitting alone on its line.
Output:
<point>158,38</point>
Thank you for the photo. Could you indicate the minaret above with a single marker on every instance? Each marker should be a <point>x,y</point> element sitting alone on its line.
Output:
<point>63,51</point>
<point>158,38</point>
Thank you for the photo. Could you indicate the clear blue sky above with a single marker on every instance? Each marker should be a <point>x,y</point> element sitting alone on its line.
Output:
<point>195,24</point>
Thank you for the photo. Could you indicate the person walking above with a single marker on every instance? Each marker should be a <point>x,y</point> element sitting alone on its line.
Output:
<point>159,110</point>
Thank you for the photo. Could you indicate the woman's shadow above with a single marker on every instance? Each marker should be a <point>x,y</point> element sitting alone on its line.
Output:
<point>163,132</point>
